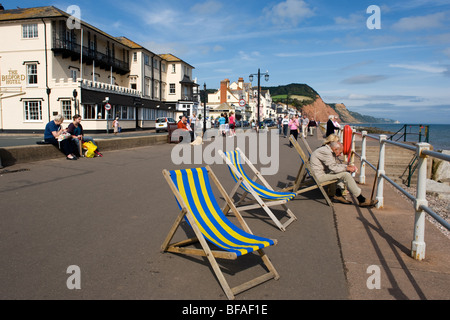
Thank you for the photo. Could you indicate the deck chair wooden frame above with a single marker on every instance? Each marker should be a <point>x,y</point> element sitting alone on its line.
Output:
<point>305,171</point>
<point>211,226</point>
<point>257,191</point>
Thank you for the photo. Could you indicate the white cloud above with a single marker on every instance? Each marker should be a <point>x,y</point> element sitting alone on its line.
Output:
<point>364,79</point>
<point>430,21</point>
<point>289,12</point>
<point>447,52</point>
<point>353,20</point>
<point>328,53</point>
<point>208,7</point>
<point>420,67</point>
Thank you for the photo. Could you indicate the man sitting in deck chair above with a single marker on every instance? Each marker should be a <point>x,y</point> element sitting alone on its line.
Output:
<point>198,204</point>
<point>326,166</point>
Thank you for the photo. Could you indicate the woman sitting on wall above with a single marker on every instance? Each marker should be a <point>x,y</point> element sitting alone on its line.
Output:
<point>56,135</point>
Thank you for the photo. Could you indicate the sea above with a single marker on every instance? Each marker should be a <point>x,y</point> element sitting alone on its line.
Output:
<point>439,134</point>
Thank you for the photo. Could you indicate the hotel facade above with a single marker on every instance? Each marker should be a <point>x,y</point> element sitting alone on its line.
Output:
<point>52,64</point>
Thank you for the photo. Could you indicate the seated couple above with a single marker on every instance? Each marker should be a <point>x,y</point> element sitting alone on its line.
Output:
<point>67,140</point>
<point>326,166</point>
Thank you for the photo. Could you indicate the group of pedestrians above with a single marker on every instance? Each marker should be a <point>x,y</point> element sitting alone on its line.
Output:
<point>296,125</point>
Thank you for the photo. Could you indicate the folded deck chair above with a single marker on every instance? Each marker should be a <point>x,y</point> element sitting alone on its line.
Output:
<point>193,192</point>
<point>305,172</point>
<point>264,196</point>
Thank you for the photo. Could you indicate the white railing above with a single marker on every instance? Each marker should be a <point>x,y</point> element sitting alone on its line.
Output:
<point>106,87</point>
<point>420,203</point>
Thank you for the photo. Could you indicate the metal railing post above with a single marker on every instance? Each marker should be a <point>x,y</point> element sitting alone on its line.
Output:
<point>353,150</point>
<point>362,171</point>
<point>381,171</point>
<point>418,243</point>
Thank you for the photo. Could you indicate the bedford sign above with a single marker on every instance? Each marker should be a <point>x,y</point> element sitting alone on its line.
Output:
<point>13,77</point>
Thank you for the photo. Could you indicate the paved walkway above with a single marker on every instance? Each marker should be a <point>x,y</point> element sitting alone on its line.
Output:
<point>110,215</point>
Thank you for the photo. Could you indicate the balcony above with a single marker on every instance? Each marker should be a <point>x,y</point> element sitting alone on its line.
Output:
<point>108,88</point>
<point>70,49</point>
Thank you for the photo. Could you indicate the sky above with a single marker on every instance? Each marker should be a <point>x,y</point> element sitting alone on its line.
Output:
<point>388,59</point>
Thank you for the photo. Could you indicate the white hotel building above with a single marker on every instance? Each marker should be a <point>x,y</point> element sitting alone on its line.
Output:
<point>49,66</point>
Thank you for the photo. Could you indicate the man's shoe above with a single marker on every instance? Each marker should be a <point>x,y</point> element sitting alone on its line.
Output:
<point>341,199</point>
<point>368,203</point>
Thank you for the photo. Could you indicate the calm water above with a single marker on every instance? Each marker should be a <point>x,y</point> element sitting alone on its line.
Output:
<point>439,134</point>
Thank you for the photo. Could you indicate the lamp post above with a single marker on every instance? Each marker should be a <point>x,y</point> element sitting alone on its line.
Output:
<point>204,108</point>
<point>266,77</point>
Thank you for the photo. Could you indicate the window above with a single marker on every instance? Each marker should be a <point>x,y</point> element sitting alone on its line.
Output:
<point>156,90</point>
<point>32,74</point>
<point>172,88</point>
<point>66,109</point>
<point>134,56</point>
<point>33,110</point>
<point>73,75</point>
<point>29,31</point>
<point>174,68</point>
<point>89,111</point>
<point>125,113</point>
<point>155,64</point>
<point>147,87</point>
<point>146,60</point>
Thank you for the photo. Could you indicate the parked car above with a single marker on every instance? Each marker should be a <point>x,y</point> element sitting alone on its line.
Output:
<point>161,123</point>
<point>269,123</point>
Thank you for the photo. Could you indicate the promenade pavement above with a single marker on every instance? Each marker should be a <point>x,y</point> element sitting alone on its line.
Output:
<point>110,215</point>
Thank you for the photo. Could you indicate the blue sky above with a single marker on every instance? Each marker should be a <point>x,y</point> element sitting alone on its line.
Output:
<point>401,71</point>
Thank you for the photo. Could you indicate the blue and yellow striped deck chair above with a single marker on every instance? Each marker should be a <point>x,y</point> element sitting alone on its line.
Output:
<point>305,171</point>
<point>193,192</point>
<point>263,194</point>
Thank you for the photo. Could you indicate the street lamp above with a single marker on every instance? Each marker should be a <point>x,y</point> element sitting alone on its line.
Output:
<point>204,108</point>
<point>266,77</point>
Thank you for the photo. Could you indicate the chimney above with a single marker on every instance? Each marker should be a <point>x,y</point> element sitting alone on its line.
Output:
<point>241,83</point>
<point>224,90</point>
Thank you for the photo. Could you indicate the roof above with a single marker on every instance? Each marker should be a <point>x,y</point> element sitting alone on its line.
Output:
<point>32,13</point>
<point>129,43</point>
<point>171,58</point>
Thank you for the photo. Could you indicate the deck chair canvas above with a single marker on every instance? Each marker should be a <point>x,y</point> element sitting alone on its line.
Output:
<point>193,192</point>
<point>263,195</point>
<point>305,172</point>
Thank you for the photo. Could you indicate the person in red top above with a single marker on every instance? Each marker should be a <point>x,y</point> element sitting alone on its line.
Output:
<point>232,123</point>
<point>184,125</point>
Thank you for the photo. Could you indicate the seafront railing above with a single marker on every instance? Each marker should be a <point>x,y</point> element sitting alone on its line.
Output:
<point>420,204</point>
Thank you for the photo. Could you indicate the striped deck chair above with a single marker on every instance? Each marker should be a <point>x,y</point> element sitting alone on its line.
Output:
<point>193,192</point>
<point>263,194</point>
<point>305,172</point>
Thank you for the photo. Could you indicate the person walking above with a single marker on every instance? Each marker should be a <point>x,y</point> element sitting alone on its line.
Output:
<point>232,124</point>
<point>305,122</point>
<point>294,127</point>
<point>116,125</point>
<point>285,124</point>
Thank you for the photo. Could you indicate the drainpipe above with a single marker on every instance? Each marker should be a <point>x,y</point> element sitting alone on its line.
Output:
<point>46,70</point>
